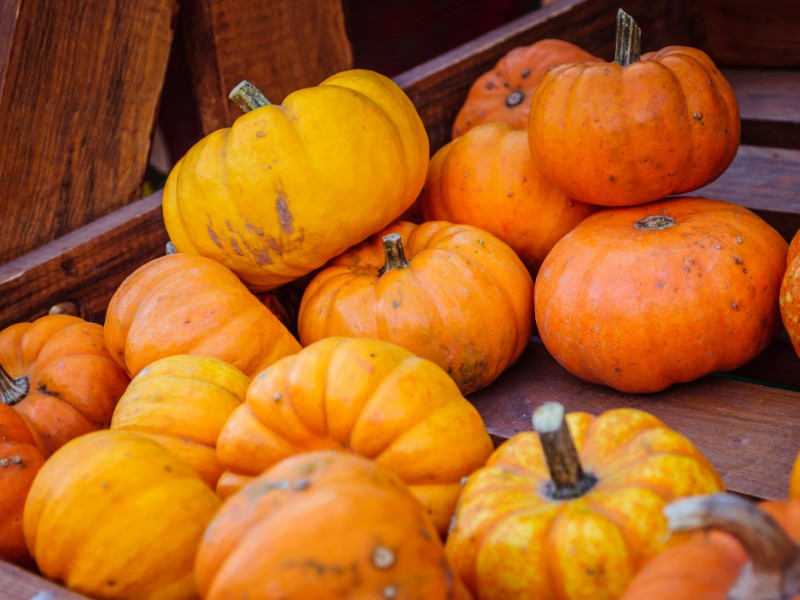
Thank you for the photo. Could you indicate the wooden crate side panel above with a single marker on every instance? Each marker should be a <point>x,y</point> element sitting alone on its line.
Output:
<point>79,100</point>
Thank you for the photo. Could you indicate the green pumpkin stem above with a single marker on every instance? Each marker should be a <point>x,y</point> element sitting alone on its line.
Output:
<point>394,252</point>
<point>567,477</point>
<point>774,567</point>
<point>248,96</point>
<point>12,390</point>
<point>628,48</point>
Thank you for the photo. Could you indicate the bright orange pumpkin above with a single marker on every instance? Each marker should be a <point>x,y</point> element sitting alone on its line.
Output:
<point>487,178</point>
<point>504,92</point>
<point>794,479</point>
<point>624,133</point>
<point>189,304</point>
<point>790,294</point>
<point>435,289</point>
<point>363,396</point>
<point>573,510</point>
<point>639,298</point>
<point>324,525</point>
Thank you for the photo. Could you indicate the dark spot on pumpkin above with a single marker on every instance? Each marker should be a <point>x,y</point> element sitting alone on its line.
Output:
<point>489,85</point>
<point>744,271</point>
<point>260,134</point>
<point>262,257</point>
<point>213,236</point>
<point>14,460</point>
<point>396,303</point>
<point>254,230</point>
<point>277,397</point>
<point>111,583</point>
<point>284,216</point>
<point>302,484</point>
<point>734,306</point>
<point>235,246</point>
<point>611,178</point>
<point>525,73</point>
<point>737,260</point>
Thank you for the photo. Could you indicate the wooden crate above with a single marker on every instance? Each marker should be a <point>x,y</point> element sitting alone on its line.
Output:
<point>747,422</point>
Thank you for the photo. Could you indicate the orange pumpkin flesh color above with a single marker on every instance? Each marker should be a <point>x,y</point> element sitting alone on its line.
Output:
<point>737,550</point>
<point>639,298</point>
<point>637,129</point>
<point>790,294</point>
<point>574,510</point>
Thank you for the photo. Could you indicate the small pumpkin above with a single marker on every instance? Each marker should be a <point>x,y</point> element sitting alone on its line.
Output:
<point>435,289</point>
<point>487,178</point>
<point>290,186</point>
<point>574,509</point>
<point>504,92</point>
<point>363,396</point>
<point>794,479</point>
<point>738,550</point>
<point>58,374</point>
<point>324,525</point>
<point>639,298</point>
<point>789,297</point>
<point>637,129</point>
<point>182,402</point>
<point>189,304</point>
<point>113,514</point>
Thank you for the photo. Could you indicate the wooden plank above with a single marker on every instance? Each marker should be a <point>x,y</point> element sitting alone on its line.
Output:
<point>19,584</point>
<point>749,433</point>
<point>279,46</point>
<point>79,99</point>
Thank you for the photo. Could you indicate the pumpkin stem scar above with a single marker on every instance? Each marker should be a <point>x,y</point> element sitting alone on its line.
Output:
<point>248,96</point>
<point>567,477</point>
<point>774,567</point>
<point>628,47</point>
<point>654,223</point>
<point>12,390</point>
<point>394,253</point>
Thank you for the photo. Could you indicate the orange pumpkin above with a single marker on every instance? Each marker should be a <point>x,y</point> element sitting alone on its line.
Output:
<point>58,375</point>
<point>188,304</point>
<point>324,525</point>
<point>363,396</point>
<point>486,178</point>
<point>435,289</point>
<point>790,294</point>
<point>504,93</point>
<point>20,460</point>
<point>738,550</point>
<point>114,515</point>
<point>794,479</point>
<point>182,402</point>
<point>573,510</point>
<point>636,130</point>
<point>639,298</point>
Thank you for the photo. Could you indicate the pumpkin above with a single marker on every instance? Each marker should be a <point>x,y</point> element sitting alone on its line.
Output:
<point>639,298</point>
<point>189,304</point>
<point>324,525</point>
<point>486,178</point>
<point>290,186</point>
<point>113,514</point>
<point>738,550</point>
<point>182,402</point>
<point>58,375</point>
<point>504,92</point>
<point>435,289</point>
<point>363,396</point>
<point>574,509</point>
<point>794,479</point>
<point>20,460</point>
<point>636,129</point>
<point>789,298</point>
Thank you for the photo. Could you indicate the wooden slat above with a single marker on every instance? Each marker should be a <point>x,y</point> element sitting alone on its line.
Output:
<point>79,99</point>
<point>749,433</point>
<point>19,584</point>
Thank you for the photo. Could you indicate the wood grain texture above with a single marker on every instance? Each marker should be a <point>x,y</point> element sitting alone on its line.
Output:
<point>79,100</point>
<point>749,433</point>
<point>19,584</point>
<point>279,46</point>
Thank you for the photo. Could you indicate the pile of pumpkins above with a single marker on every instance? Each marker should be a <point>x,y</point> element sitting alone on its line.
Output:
<point>196,445</point>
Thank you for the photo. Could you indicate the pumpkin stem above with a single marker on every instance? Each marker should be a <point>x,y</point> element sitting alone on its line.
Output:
<point>774,567</point>
<point>248,96</point>
<point>12,390</point>
<point>567,478</point>
<point>628,48</point>
<point>394,252</point>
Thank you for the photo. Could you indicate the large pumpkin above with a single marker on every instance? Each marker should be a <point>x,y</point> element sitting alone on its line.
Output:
<point>487,178</point>
<point>113,514</point>
<point>290,186</point>
<point>190,304</point>
<point>574,509</point>
<point>363,396</point>
<point>641,297</point>
<point>324,525</point>
<point>790,293</point>
<point>738,550</point>
<point>436,289</point>
<point>58,375</point>
<point>637,130</point>
<point>182,402</point>
<point>504,92</point>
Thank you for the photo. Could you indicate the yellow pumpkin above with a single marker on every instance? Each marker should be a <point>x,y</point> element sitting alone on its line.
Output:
<point>290,186</point>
